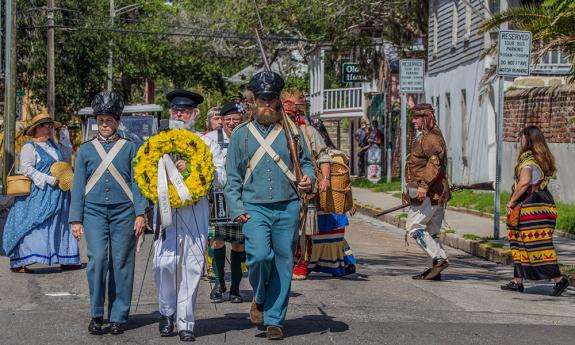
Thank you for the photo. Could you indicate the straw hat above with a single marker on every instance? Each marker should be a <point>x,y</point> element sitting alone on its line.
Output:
<point>39,119</point>
<point>63,172</point>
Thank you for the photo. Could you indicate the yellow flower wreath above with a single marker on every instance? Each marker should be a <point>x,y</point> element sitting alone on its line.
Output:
<point>191,149</point>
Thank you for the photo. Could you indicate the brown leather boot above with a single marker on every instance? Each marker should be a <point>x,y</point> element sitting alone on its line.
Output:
<point>256,313</point>
<point>438,266</point>
<point>274,333</point>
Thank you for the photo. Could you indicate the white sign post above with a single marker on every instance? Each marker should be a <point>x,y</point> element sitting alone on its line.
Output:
<point>513,60</point>
<point>411,74</point>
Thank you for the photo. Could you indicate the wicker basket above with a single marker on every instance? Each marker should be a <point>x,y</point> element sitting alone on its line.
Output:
<point>18,185</point>
<point>337,199</point>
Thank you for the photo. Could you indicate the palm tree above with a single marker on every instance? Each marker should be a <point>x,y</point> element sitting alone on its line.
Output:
<point>552,23</point>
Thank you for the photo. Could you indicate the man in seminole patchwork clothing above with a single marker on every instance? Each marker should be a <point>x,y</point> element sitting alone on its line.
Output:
<point>427,189</point>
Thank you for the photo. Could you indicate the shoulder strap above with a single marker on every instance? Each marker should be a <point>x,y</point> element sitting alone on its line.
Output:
<point>223,145</point>
<point>107,164</point>
<point>266,145</point>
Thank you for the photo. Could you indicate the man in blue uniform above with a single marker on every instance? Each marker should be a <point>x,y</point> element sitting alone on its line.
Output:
<point>108,207</point>
<point>263,193</point>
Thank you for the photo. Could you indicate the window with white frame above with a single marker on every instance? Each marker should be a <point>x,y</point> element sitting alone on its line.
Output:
<point>455,24</point>
<point>468,11</point>
<point>435,29</point>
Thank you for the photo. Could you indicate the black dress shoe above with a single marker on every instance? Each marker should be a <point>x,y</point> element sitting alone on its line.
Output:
<point>166,325</point>
<point>235,296</point>
<point>95,326</point>
<point>513,286</point>
<point>117,328</point>
<point>560,287</point>
<point>217,293</point>
<point>187,336</point>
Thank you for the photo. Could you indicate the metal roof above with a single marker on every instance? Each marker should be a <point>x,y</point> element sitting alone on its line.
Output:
<point>129,109</point>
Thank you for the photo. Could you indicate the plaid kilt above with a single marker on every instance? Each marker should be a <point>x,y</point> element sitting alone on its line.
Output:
<point>231,233</point>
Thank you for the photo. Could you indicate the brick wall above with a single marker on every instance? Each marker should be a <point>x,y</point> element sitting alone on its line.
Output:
<point>550,108</point>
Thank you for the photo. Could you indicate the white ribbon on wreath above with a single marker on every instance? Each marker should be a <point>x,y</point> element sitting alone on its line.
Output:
<point>167,169</point>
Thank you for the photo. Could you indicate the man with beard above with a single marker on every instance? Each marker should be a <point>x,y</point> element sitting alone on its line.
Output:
<point>186,238</point>
<point>427,189</point>
<point>262,192</point>
<point>231,114</point>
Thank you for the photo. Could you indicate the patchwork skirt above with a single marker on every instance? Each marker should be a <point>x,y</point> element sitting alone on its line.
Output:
<point>531,242</point>
<point>330,252</point>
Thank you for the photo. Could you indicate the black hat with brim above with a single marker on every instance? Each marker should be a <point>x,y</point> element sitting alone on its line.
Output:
<point>266,85</point>
<point>231,108</point>
<point>184,99</point>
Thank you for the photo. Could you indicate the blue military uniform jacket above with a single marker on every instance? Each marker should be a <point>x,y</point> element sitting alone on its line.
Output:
<point>267,183</point>
<point>106,191</point>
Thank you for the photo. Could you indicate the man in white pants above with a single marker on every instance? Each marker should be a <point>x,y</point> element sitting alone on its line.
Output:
<point>427,187</point>
<point>185,240</point>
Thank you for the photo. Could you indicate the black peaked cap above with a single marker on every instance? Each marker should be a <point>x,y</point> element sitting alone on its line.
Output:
<point>184,99</point>
<point>266,85</point>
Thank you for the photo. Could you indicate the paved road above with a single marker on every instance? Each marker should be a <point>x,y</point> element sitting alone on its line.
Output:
<point>379,305</point>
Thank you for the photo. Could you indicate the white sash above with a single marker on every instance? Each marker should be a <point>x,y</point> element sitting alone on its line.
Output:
<point>265,147</point>
<point>167,170</point>
<point>107,164</point>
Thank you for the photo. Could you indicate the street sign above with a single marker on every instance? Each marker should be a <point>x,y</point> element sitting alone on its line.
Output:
<point>514,53</point>
<point>411,75</point>
<point>350,73</point>
<point>20,93</point>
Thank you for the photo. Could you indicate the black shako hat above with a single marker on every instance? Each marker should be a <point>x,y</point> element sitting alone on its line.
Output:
<point>184,99</point>
<point>266,85</point>
<point>232,108</point>
<point>108,103</point>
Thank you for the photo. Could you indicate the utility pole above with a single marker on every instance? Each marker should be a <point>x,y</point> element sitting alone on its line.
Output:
<point>51,67</point>
<point>110,53</point>
<point>10,91</point>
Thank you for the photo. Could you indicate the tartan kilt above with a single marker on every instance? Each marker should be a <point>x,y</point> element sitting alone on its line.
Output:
<point>231,233</point>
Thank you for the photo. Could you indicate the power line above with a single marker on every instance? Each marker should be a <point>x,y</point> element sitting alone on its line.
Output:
<point>166,33</point>
<point>207,32</point>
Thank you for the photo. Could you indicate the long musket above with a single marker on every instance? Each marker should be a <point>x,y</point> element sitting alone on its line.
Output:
<point>489,186</point>
<point>292,139</point>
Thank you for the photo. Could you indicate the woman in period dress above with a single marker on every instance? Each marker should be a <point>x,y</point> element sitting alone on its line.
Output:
<point>37,229</point>
<point>531,240</point>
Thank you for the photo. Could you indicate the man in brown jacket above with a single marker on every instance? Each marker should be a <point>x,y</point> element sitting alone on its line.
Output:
<point>427,189</point>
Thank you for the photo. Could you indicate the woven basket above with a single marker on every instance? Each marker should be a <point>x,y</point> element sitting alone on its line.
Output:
<point>18,185</point>
<point>63,172</point>
<point>337,199</point>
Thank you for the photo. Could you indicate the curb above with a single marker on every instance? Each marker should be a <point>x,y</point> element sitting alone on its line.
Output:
<point>473,247</point>
<point>490,216</point>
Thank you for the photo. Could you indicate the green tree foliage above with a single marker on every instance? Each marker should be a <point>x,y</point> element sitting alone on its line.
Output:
<point>215,40</point>
<point>82,49</point>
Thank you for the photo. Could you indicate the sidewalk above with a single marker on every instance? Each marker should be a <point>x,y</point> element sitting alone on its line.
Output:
<point>461,223</point>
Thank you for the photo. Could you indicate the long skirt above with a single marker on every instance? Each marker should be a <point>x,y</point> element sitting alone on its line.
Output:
<point>531,242</point>
<point>50,243</point>
<point>330,252</point>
